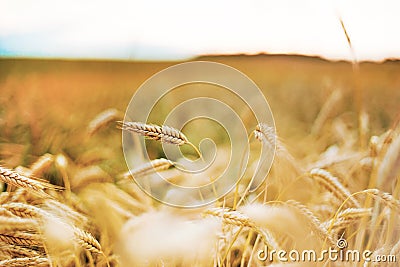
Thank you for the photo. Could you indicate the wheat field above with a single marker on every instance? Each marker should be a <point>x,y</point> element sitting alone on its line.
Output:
<point>67,198</point>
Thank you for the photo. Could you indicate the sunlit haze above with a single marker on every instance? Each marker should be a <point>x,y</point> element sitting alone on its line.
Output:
<point>152,30</point>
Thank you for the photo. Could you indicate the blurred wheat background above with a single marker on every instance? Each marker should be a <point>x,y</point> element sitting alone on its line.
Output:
<point>49,130</point>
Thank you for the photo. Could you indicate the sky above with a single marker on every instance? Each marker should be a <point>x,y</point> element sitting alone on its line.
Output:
<point>176,29</point>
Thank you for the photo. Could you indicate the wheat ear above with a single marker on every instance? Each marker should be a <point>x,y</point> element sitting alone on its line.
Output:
<point>165,134</point>
<point>25,210</point>
<point>150,167</point>
<point>14,224</point>
<point>19,195</point>
<point>313,222</point>
<point>231,217</point>
<point>87,241</point>
<point>6,213</point>
<point>18,251</point>
<point>237,218</point>
<point>102,119</point>
<point>347,217</point>
<point>265,133</point>
<point>387,198</point>
<point>332,184</point>
<point>41,164</point>
<point>26,262</point>
<point>13,178</point>
<point>65,211</point>
<point>21,239</point>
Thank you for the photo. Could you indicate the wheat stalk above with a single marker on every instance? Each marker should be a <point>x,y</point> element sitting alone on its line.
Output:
<point>326,111</point>
<point>374,146</point>
<point>389,168</point>
<point>332,184</point>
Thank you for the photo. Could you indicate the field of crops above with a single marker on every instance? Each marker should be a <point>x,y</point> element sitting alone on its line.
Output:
<point>66,201</point>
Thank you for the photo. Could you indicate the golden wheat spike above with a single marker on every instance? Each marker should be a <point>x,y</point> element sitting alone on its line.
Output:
<point>163,133</point>
<point>21,239</point>
<point>87,241</point>
<point>15,251</point>
<point>233,217</point>
<point>26,262</point>
<point>13,178</point>
<point>152,166</point>
<point>332,184</point>
<point>102,120</point>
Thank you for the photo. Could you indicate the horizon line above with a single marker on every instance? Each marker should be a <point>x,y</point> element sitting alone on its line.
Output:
<point>190,58</point>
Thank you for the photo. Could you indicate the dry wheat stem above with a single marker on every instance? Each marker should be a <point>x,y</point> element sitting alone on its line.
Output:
<point>325,112</point>
<point>389,169</point>
<point>26,262</point>
<point>332,184</point>
<point>374,146</point>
